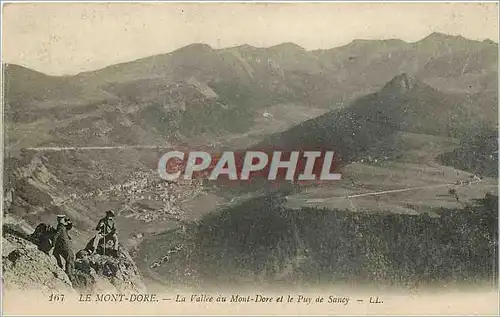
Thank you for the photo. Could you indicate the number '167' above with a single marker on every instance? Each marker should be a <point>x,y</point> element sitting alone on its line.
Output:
<point>56,298</point>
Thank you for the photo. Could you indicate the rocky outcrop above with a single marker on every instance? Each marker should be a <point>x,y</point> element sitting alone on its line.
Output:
<point>96,271</point>
<point>25,267</point>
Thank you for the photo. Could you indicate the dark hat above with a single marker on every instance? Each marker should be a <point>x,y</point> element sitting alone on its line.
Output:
<point>110,213</point>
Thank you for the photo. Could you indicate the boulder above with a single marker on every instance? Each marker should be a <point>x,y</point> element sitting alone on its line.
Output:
<point>118,271</point>
<point>25,267</point>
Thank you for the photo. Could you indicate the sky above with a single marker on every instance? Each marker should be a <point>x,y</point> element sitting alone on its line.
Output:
<point>68,38</point>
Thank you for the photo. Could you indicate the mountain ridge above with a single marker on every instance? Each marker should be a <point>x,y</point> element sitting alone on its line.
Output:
<point>433,36</point>
<point>204,95</point>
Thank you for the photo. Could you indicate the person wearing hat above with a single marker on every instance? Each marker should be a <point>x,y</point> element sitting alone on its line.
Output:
<point>106,230</point>
<point>63,248</point>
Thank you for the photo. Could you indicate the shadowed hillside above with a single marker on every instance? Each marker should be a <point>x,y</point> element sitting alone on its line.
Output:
<point>260,241</point>
<point>478,152</point>
<point>404,104</point>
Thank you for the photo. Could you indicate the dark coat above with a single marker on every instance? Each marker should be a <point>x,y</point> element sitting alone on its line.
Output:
<point>62,241</point>
<point>106,226</point>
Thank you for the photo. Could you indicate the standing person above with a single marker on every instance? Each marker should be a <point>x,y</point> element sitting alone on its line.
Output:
<point>106,230</point>
<point>63,248</point>
<point>43,237</point>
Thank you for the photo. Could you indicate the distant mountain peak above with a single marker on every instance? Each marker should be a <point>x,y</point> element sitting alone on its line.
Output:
<point>363,42</point>
<point>401,83</point>
<point>245,47</point>
<point>438,35</point>
<point>8,67</point>
<point>441,37</point>
<point>490,41</point>
<point>195,47</point>
<point>288,46</point>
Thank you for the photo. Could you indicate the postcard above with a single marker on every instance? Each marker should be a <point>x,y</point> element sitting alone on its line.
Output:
<point>250,158</point>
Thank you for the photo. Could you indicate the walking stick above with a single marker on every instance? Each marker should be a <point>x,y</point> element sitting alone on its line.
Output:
<point>104,243</point>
